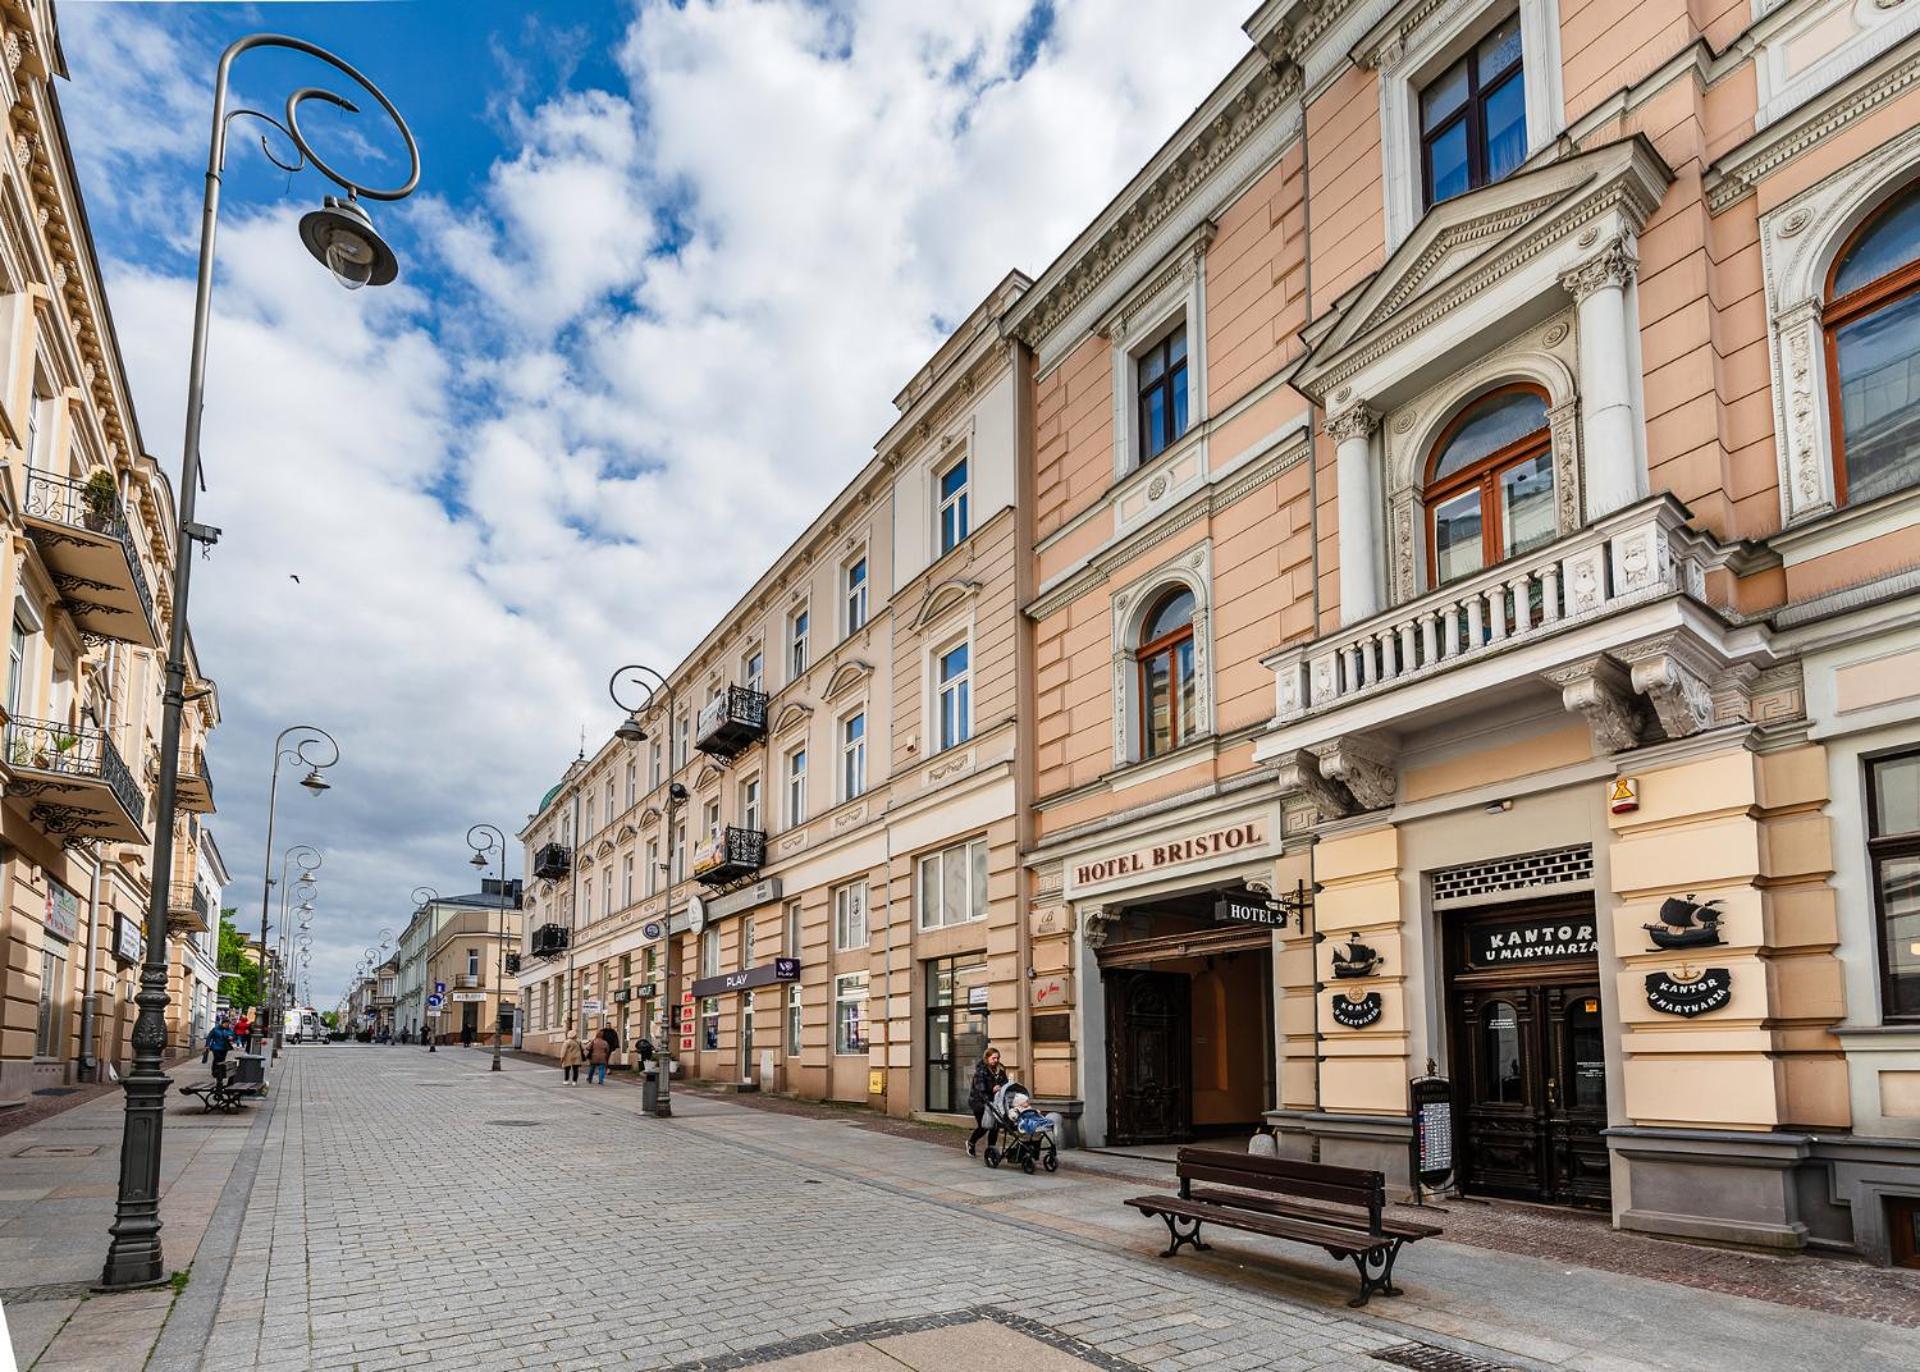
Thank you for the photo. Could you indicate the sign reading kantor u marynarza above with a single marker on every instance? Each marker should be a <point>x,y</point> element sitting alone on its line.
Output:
<point>1243,839</point>
<point>1547,939</point>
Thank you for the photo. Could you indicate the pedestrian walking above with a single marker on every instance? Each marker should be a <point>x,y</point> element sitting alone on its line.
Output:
<point>988,1076</point>
<point>217,1044</point>
<point>466,1036</point>
<point>599,1054</point>
<point>243,1030</point>
<point>571,1053</point>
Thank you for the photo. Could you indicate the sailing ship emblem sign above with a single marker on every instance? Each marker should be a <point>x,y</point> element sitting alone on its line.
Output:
<point>1686,924</point>
<point>1674,994</point>
<point>1356,1013</point>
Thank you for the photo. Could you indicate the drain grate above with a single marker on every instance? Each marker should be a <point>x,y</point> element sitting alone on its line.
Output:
<point>515,1124</point>
<point>57,1150</point>
<point>1424,1357</point>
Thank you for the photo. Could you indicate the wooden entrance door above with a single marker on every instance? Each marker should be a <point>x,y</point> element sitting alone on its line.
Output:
<point>1530,1064</point>
<point>1149,1058</point>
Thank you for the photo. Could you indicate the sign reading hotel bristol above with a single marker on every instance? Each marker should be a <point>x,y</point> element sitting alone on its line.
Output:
<point>1539,940</point>
<point>1245,838</point>
<point>1670,995</point>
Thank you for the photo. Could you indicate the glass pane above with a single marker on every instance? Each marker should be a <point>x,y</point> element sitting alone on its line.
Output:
<point>1443,96</point>
<point>940,983</point>
<point>953,663</point>
<point>1456,536</point>
<point>929,893</point>
<point>955,478</point>
<point>1900,907</point>
<point>1489,425</point>
<point>1500,1047</point>
<point>1500,49</point>
<point>1175,612</point>
<point>939,1087</point>
<point>1183,661</point>
<point>1177,345</point>
<point>1896,796</point>
<point>1178,383</point>
<point>1878,359</point>
<point>1159,704</point>
<point>1153,421</point>
<point>1505,120</point>
<point>1526,505</point>
<point>1447,173</point>
<point>979,855</point>
<point>1891,242</point>
<point>1151,365</point>
<point>953,894</point>
<point>1587,1089</point>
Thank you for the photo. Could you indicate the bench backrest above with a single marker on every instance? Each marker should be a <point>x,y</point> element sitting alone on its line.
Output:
<point>1353,1186</point>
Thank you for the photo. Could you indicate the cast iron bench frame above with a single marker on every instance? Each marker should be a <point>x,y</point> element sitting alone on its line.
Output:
<point>224,1095</point>
<point>1269,1196</point>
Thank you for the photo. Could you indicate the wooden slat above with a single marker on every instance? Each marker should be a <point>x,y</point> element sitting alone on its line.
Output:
<point>1272,1205</point>
<point>1340,1193</point>
<point>1338,1238</point>
<point>1284,1168</point>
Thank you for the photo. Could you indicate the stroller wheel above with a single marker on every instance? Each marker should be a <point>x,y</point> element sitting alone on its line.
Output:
<point>993,1156</point>
<point>1026,1163</point>
<point>1051,1161</point>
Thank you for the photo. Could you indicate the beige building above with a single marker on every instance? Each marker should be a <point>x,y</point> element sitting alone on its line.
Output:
<point>462,944</point>
<point>839,879</point>
<point>88,519</point>
<point>1474,509</point>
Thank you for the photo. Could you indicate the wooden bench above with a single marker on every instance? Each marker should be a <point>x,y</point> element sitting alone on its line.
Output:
<point>1337,1209</point>
<point>223,1094</point>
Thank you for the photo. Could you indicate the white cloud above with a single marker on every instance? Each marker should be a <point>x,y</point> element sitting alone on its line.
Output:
<point>556,449</point>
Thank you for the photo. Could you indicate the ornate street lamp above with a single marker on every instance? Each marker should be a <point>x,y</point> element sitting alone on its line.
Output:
<point>424,899</point>
<point>652,686</point>
<point>492,838</point>
<point>315,749</point>
<point>309,860</point>
<point>134,1257</point>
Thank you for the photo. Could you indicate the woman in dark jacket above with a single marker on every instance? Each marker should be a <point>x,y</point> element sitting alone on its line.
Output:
<point>988,1076</point>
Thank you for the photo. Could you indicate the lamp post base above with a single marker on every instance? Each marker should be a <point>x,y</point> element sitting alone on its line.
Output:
<point>135,1258</point>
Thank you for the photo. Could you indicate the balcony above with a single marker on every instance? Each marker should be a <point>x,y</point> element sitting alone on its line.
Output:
<point>88,546</point>
<point>731,723</point>
<point>74,782</point>
<point>1615,618</point>
<point>469,981</point>
<point>729,856</point>
<point>552,861</point>
<point>550,940</point>
<point>188,911</point>
<point>193,785</point>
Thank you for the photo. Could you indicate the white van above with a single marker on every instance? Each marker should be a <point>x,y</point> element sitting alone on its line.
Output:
<point>304,1026</point>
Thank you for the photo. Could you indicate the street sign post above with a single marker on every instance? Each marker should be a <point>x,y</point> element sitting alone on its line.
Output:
<point>435,1001</point>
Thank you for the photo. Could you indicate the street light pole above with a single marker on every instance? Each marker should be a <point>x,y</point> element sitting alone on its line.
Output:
<point>631,731</point>
<point>314,782</point>
<point>424,899</point>
<point>343,237</point>
<point>479,860</point>
<point>309,859</point>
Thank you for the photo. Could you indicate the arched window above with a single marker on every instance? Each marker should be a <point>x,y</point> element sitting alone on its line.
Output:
<point>1873,353</point>
<point>1165,657</point>
<point>1490,484</point>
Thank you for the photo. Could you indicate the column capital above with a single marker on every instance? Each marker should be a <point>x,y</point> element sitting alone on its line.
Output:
<point>1614,265</point>
<point>1356,421</point>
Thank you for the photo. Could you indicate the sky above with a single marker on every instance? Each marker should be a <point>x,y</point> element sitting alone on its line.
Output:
<point>667,265</point>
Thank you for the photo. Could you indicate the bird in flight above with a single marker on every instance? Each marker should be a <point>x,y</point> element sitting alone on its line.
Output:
<point>294,579</point>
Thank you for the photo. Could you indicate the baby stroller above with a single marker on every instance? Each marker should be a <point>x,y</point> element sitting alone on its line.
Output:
<point>1030,1132</point>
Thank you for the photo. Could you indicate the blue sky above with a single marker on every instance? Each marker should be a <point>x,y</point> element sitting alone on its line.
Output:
<point>668,264</point>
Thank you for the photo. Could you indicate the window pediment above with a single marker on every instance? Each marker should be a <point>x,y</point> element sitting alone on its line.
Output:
<point>939,599</point>
<point>845,677</point>
<point>791,716</point>
<point>709,776</point>
<point>627,831</point>
<point>605,849</point>
<point>1469,245</point>
<point>650,816</point>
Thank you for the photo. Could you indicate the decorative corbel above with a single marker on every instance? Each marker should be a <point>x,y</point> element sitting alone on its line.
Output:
<point>1674,681</point>
<point>1099,923</point>
<point>1597,689</point>
<point>1364,767</point>
<point>1300,776</point>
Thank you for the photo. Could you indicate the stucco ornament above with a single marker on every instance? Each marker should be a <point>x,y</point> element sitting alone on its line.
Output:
<point>1675,682</point>
<point>1098,924</point>
<point>1364,768</point>
<point>1299,776</point>
<point>1614,265</point>
<point>1597,689</point>
<point>1356,421</point>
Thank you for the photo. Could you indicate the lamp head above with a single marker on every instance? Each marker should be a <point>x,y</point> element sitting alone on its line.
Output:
<point>630,731</point>
<point>341,236</point>
<point>479,860</point>
<point>314,782</point>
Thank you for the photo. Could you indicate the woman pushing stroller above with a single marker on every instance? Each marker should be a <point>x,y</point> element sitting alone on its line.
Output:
<point>988,1077</point>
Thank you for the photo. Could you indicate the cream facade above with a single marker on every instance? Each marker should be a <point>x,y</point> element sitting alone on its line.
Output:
<point>88,524</point>
<point>838,880</point>
<point>458,948</point>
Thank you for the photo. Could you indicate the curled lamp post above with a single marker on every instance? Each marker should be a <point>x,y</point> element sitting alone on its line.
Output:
<point>309,745</point>
<point>342,235</point>
<point>424,899</point>
<point>490,838</point>
<point>309,860</point>
<point>645,687</point>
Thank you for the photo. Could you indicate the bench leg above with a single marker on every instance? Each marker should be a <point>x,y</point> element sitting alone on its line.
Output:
<point>1175,1238</point>
<point>1376,1272</point>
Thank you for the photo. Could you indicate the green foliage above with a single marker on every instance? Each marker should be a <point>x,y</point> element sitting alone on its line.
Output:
<point>330,1018</point>
<point>240,975</point>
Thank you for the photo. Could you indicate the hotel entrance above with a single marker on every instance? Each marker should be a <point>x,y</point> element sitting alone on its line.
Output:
<point>1189,1014</point>
<point>1529,1055</point>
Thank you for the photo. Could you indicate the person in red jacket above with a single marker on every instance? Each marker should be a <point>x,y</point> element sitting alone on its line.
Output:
<point>243,1030</point>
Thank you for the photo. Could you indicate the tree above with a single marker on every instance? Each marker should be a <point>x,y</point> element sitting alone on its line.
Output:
<point>330,1018</point>
<point>239,973</point>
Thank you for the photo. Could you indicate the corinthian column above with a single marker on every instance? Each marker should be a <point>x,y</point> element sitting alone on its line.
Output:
<point>1609,443</point>
<point>1360,534</point>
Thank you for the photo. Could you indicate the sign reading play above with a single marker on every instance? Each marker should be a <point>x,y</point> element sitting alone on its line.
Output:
<point>1174,852</point>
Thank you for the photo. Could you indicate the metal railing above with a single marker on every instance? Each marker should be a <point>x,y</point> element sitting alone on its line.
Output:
<point>190,895</point>
<point>729,852</point>
<point>65,500</point>
<point>42,746</point>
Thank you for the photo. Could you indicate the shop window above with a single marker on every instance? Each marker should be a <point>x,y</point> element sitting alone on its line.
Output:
<point>1473,118</point>
<point>1160,379</point>
<point>954,500</point>
<point>50,1023</point>
<point>710,1023</point>
<point>790,943</point>
<point>793,1019</point>
<point>850,1014</point>
<point>1872,320</point>
<point>1166,675</point>
<point>956,1029</point>
<point>1489,488</point>
<point>1893,850</point>
<point>953,885</point>
<point>850,917</point>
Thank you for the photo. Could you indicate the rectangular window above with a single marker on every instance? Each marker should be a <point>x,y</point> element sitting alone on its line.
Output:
<point>1473,118</point>
<point>653,865</point>
<point>626,968</point>
<point>953,885</point>
<point>16,664</point>
<point>746,943</point>
<point>587,828</point>
<point>586,899</point>
<point>850,916</point>
<point>856,595</point>
<point>750,803</point>
<point>653,765</point>
<point>1893,849</point>
<point>753,673</point>
<point>853,756</point>
<point>793,1019</point>
<point>611,810</point>
<point>684,742</point>
<point>1161,376</point>
<point>955,703</point>
<point>797,641</point>
<point>626,879</point>
<point>473,962</point>
<point>850,1013</point>
<point>679,852</point>
<point>50,1025</point>
<point>710,1023</point>
<point>791,942</point>
<point>953,506</point>
<point>633,782</point>
<point>710,951</point>
<point>711,820</point>
<point>796,787</point>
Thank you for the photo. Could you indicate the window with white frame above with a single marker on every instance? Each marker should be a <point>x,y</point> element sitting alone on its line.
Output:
<point>679,851</point>
<point>653,865</point>
<point>683,740</point>
<point>853,755</point>
<point>626,879</point>
<point>953,511</point>
<point>953,885</point>
<point>850,1014</point>
<point>611,809</point>
<point>793,1019</point>
<point>473,962</point>
<point>790,942</point>
<point>633,782</point>
<point>710,820</point>
<point>953,696</point>
<point>796,787</point>
<point>798,625</point>
<point>710,951</point>
<point>587,828</point>
<point>854,586</point>
<point>753,671</point>
<point>586,899</point>
<point>653,765</point>
<point>750,803</point>
<point>850,916</point>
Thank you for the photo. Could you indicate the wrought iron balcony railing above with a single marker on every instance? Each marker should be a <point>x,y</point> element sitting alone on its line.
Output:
<point>731,722</point>
<point>730,855</point>
<point>80,784</point>
<point>552,861</point>
<point>73,522</point>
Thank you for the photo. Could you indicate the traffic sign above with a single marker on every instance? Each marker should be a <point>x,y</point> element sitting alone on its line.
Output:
<point>441,987</point>
<point>435,1000</point>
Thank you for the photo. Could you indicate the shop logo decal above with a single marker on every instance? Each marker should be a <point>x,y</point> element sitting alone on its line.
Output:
<point>1673,994</point>
<point>1686,924</point>
<point>1356,1012</point>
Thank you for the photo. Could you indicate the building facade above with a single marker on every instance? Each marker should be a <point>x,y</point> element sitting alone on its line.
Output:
<point>88,522</point>
<point>446,976</point>
<point>823,826</point>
